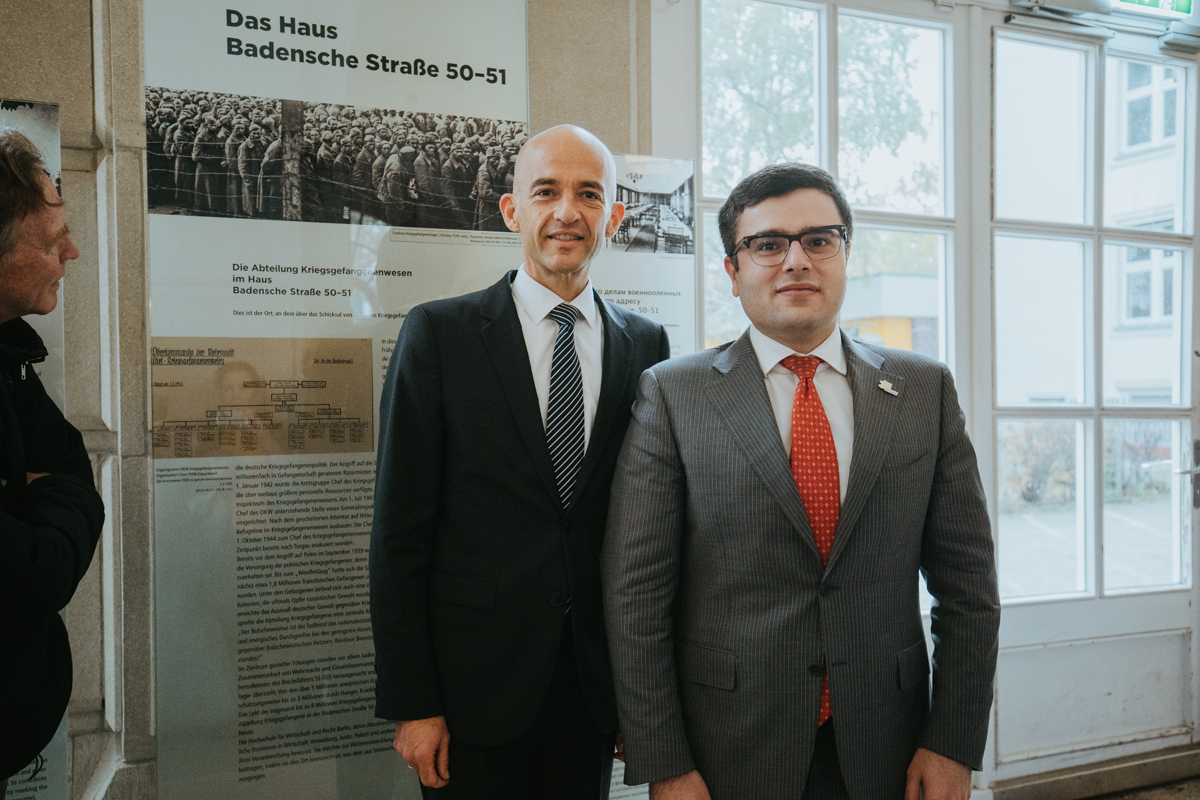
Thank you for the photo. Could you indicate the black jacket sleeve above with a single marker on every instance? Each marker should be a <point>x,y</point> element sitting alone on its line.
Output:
<point>407,503</point>
<point>45,553</point>
<point>48,529</point>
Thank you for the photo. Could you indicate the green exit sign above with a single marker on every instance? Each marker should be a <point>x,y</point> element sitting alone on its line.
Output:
<point>1162,8</point>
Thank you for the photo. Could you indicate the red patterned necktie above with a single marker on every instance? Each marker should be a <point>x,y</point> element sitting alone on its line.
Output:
<point>815,470</point>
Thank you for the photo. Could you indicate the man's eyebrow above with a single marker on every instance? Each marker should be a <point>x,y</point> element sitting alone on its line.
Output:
<point>554,182</point>
<point>768,232</point>
<point>777,232</point>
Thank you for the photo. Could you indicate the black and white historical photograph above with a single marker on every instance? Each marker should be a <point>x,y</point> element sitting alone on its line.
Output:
<point>660,207</point>
<point>214,154</point>
<point>409,168</point>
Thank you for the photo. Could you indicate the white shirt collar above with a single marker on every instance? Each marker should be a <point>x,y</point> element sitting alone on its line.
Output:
<point>538,301</point>
<point>771,352</point>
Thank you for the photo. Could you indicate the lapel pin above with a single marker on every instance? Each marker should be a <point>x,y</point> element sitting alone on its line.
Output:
<point>887,387</point>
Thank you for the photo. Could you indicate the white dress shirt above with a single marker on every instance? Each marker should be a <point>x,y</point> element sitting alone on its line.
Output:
<point>534,304</point>
<point>833,387</point>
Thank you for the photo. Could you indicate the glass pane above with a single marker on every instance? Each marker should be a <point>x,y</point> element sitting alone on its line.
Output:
<point>1138,122</point>
<point>724,319</point>
<point>1041,321</point>
<point>1041,522</point>
<point>1143,336</point>
<point>1041,130</point>
<point>1143,523</point>
<point>1144,159</point>
<point>759,89</point>
<point>893,292</point>
<point>1137,294</point>
<point>1139,75</point>
<point>890,115</point>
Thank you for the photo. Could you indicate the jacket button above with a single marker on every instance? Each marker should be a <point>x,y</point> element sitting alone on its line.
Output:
<point>827,589</point>
<point>816,669</point>
<point>556,599</point>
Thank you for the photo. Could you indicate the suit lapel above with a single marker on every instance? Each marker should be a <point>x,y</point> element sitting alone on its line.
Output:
<point>737,392</point>
<point>505,342</point>
<point>618,349</point>
<point>874,417</point>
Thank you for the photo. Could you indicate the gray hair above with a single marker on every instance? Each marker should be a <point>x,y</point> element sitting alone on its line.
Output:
<point>21,192</point>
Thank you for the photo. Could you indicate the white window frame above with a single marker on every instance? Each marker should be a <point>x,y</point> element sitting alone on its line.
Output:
<point>684,108</point>
<point>1155,91</point>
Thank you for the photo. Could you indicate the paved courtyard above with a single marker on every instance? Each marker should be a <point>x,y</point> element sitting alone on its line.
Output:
<point>1043,552</point>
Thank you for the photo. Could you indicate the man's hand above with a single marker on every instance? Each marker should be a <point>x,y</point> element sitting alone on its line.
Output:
<point>935,777</point>
<point>30,477</point>
<point>425,745</point>
<point>619,748</point>
<point>685,787</point>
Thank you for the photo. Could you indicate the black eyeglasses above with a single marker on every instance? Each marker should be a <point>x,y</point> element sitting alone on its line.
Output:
<point>769,250</point>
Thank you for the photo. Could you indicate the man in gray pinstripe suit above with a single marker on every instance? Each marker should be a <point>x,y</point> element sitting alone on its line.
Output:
<point>726,614</point>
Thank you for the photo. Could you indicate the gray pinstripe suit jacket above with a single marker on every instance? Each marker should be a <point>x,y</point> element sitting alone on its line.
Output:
<point>720,614</point>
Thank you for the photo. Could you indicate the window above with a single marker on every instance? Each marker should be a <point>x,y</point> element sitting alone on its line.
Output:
<point>886,101</point>
<point>1143,343</point>
<point>1139,75</point>
<point>1138,121</point>
<point>1141,504</point>
<point>1058,278</point>
<point>1148,88</point>
<point>889,115</point>
<point>1041,290</point>
<point>1168,113</point>
<point>1137,294</point>
<point>1041,96</point>
<point>1144,160</point>
<point>760,87</point>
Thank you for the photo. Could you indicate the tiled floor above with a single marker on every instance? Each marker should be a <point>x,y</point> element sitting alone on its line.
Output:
<point>1183,790</point>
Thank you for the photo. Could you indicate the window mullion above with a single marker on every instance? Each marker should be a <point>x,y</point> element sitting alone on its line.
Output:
<point>1096,100</point>
<point>828,90</point>
<point>870,216</point>
<point>975,333</point>
<point>1097,89</point>
<point>1095,435</point>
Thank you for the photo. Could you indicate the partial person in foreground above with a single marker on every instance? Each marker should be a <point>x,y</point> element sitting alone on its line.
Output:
<point>501,419</point>
<point>50,512</point>
<point>773,505</point>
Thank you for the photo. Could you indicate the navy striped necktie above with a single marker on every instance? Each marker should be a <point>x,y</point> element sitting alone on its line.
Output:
<point>564,411</point>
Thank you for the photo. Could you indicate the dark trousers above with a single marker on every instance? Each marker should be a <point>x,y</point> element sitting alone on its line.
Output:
<point>824,772</point>
<point>562,756</point>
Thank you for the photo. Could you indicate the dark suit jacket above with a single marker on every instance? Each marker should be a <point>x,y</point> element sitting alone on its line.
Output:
<point>721,614</point>
<point>473,561</point>
<point>48,533</point>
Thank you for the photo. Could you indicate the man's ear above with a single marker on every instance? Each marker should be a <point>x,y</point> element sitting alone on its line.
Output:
<point>508,209</point>
<point>614,219</point>
<point>732,271</point>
